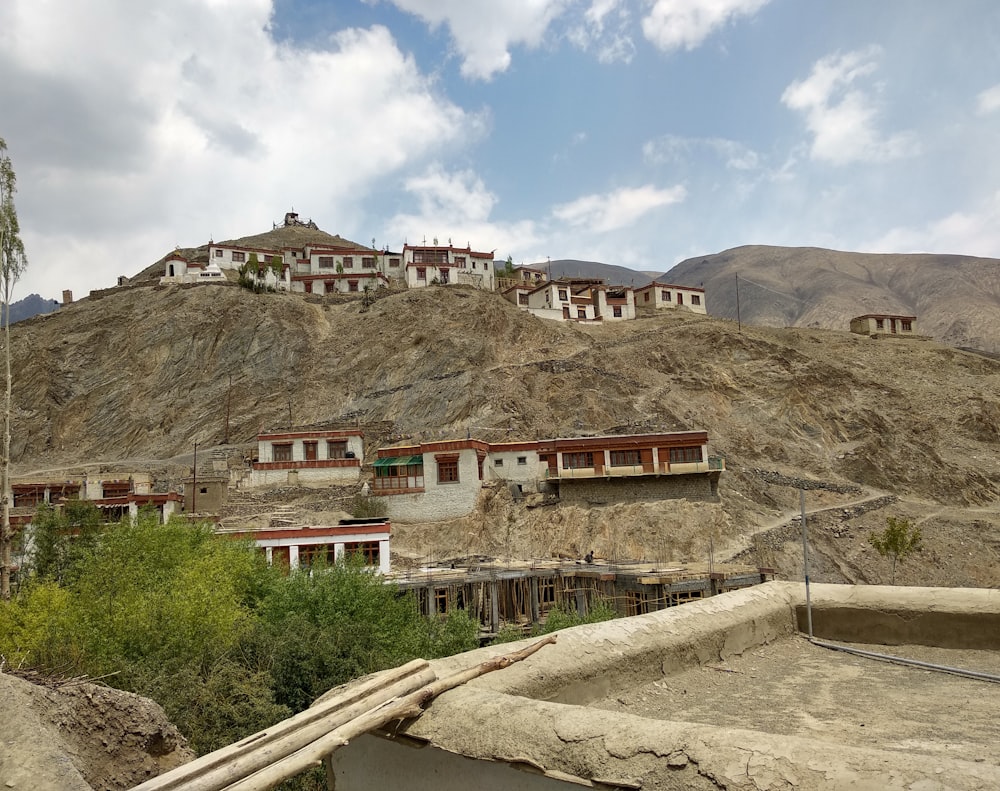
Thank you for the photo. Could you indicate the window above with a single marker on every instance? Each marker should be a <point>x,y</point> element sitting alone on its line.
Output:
<point>695,299</point>
<point>329,286</point>
<point>685,455</point>
<point>336,449</point>
<point>311,554</point>
<point>905,325</point>
<point>680,298</point>
<point>473,264</point>
<point>239,257</point>
<point>581,313</point>
<point>401,476</point>
<point>218,253</point>
<point>352,285</point>
<point>625,458</point>
<point>326,261</point>
<point>879,324</point>
<point>665,296</point>
<point>616,311</point>
<point>430,256</point>
<point>447,469</point>
<point>522,299</point>
<point>645,297</point>
<point>366,550</point>
<point>485,265</point>
<point>282,452</point>
<point>348,262</point>
<point>393,262</point>
<point>309,450</point>
<point>498,462</point>
<point>368,262</point>
<point>440,600</point>
<point>562,294</point>
<point>444,275</point>
<point>309,287</point>
<point>576,461</point>
<point>421,273</point>
<point>521,460</point>
<point>459,260</point>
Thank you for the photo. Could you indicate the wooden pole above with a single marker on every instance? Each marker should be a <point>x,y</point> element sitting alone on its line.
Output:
<point>205,772</point>
<point>403,708</point>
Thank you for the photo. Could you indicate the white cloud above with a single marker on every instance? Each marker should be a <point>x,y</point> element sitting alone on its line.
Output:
<point>618,209</point>
<point>973,232</point>
<point>483,31</point>
<point>194,122</point>
<point>841,116</point>
<point>988,101</point>
<point>674,149</point>
<point>685,24</point>
<point>603,28</point>
<point>458,206</point>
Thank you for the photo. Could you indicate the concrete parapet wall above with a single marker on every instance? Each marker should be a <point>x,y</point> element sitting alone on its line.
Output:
<point>525,729</point>
<point>700,486</point>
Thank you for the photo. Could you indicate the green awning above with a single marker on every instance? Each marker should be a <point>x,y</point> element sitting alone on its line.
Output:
<point>399,461</point>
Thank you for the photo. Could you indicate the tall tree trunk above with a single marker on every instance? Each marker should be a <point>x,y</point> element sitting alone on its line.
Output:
<point>6,536</point>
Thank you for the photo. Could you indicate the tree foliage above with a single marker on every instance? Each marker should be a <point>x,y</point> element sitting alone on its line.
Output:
<point>199,623</point>
<point>897,541</point>
<point>13,262</point>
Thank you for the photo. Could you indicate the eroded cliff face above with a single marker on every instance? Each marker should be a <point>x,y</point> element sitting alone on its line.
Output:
<point>138,376</point>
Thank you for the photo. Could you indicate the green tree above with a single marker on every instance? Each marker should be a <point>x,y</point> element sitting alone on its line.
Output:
<point>62,537</point>
<point>277,265</point>
<point>508,269</point>
<point>12,265</point>
<point>897,541</point>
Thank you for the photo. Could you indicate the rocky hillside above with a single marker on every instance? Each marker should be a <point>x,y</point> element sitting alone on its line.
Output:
<point>956,299</point>
<point>143,373</point>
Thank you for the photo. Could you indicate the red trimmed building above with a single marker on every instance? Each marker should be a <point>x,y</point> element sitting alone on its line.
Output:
<point>667,295</point>
<point>436,264</point>
<point>300,547</point>
<point>883,324</point>
<point>308,457</point>
<point>436,481</point>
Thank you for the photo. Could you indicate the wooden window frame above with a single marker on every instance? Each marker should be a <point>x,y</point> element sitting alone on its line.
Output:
<point>282,451</point>
<point>447,469</point>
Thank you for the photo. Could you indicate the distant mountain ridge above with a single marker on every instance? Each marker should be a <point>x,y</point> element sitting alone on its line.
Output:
<point>955,298</point>
<point>32,305</point>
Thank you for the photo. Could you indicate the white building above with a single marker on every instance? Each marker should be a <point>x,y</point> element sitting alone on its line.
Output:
<point>574,299</point>
<point>427,265</point>
<point>308,458</point>
<point>666,295</point>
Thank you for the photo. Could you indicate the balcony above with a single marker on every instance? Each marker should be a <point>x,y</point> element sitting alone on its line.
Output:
<point>714,464</point>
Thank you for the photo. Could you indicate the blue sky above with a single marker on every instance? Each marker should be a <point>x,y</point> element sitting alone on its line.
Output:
<point>634,132</point>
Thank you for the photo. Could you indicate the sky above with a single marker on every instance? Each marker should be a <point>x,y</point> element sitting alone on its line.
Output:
<point>632,132</point>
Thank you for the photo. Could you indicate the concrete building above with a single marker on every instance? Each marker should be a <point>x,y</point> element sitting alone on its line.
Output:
<point>884,324</point>
<point>435,481</point>
<point>435,264</point>
<point>667,295</point>
<point>300,546</point>
<point>634,703</point>
<point>573,299</point>
<point>305,457</point>
<point>117,495</point>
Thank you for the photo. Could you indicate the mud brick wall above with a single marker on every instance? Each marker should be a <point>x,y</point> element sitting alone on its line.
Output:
<point>598,491</point>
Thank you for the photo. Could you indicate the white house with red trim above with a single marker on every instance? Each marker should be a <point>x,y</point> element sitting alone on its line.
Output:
<point>884,324</point>
<point>574,299</point>
<point>427,265</point>
<point>667,295</point>
<point>308,457</point>
<point>436,481</point>
<point>300,547</point>
<point>117,495</point>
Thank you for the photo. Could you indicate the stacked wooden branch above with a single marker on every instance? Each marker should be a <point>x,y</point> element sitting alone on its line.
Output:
<point>267,758</point>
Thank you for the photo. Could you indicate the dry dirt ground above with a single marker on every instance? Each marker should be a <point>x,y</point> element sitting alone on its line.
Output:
<point>793,687</point>
<point>79,736</point>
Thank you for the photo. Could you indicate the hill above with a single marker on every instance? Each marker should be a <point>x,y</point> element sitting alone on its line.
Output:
<point>140,375</point>
<point>31,305</point>
<point>956,299</point>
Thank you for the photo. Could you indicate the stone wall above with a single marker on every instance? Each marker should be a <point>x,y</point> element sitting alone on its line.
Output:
<point>599,491</point>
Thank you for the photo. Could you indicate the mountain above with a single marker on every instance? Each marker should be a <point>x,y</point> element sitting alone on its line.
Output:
<point>32,305</point>
<point>610,273</point>
<point>135,377</point>
<point>956,299</point>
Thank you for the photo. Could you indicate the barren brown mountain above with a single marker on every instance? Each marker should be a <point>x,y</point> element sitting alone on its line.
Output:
<point>871,428</point>
<point>956,299</point>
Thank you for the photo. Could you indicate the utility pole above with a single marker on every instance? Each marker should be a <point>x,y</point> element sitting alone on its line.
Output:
<point>805,559</point>
<point>194,481</point>
<point>739,323</point>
